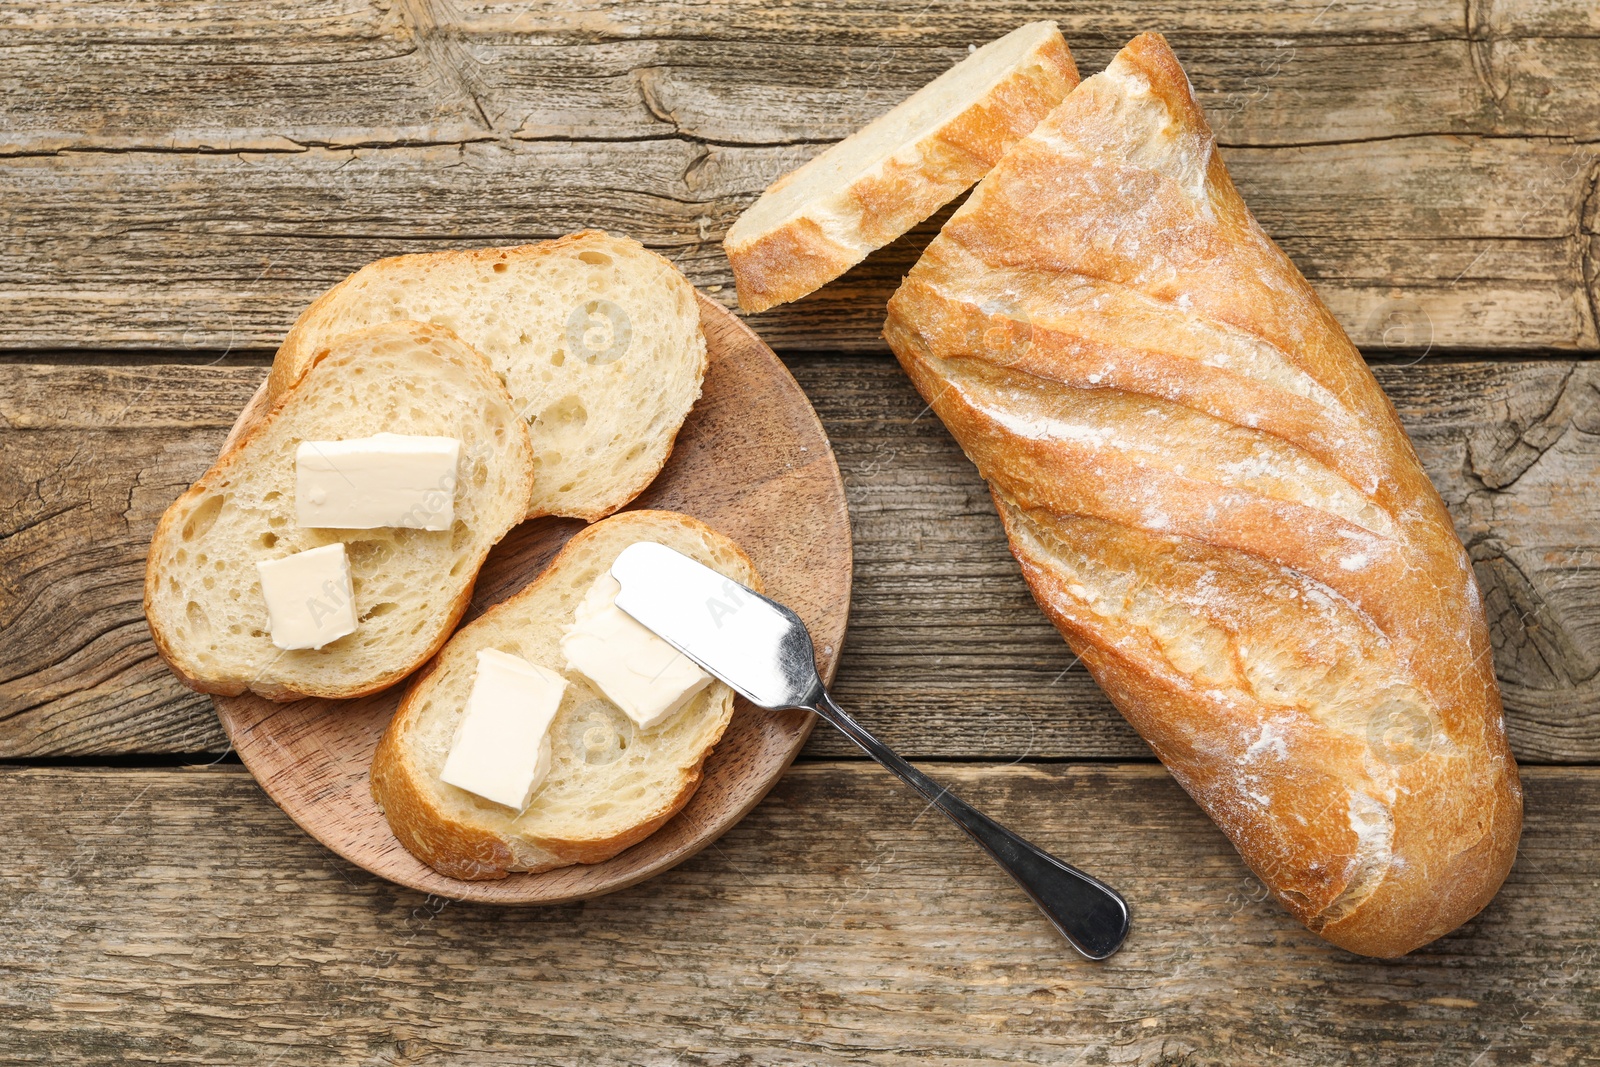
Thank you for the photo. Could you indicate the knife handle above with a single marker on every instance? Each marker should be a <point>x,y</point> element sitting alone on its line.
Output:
<point>1090,914</point>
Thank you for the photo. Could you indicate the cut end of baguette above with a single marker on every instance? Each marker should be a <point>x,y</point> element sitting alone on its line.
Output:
<point>610,785</point>
<point>202,592</point>
<point>817,222</point>
<point>597,339</point>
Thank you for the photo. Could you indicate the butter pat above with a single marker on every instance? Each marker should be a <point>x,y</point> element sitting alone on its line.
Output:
<point>388,479</point>
<point>309,597</point>
<point>501,750</point>
<point>637,671</point>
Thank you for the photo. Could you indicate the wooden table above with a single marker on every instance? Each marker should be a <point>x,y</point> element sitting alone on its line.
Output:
<point>179,179</point>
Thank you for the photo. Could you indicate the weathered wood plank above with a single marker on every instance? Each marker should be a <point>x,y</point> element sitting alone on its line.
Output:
<point>177,916</point>
<point>278,74</point>
<point>191,178</point>
<point>200,76</point>
<point>1418,242</point>
<point>946,656</point>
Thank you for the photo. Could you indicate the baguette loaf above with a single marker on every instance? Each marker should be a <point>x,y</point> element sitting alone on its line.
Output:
<point>817,222</point>
<point>202,595</point>
<point>610,785</point>
<point>596,337</point>
<point>1215,503</point>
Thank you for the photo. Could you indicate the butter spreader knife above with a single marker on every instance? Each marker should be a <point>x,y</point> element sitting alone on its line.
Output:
<point>763,651</point>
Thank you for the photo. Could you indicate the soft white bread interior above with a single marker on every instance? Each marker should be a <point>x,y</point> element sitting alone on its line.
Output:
<point>596,337</point>
<point>610,783</point>
<point>817,222</point>
<point>202,594</point>
<point>1215,503</point>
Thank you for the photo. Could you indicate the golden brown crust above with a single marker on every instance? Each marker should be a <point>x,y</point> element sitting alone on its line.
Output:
<point>787,263</point>
<point>459,849</point>
<point>221,472</point>
<point>798,256</point>
<point>1215,503</point>
<point>449,846</point>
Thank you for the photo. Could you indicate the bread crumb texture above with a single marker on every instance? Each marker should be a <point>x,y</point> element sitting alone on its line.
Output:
<point>597,339</point>
<point>610,784</point>
<point>202,592</point>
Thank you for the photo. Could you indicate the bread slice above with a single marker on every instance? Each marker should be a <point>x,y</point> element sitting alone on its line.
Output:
<point>202,596</point>
<point>597,338</point>
<point>610,784</point>
<point>817,222</point>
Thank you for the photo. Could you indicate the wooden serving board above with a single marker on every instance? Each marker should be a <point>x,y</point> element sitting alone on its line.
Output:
<point>752,461</point>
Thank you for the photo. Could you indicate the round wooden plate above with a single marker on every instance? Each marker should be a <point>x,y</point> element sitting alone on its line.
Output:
<point>753,462</point>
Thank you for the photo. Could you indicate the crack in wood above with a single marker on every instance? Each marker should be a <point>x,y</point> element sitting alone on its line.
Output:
<point>446,56</point>
<point>286,145</point>
<point>650,95</point>
<point>1523,623</point>
<point>1588,240</point>
<point>1479,15</point>
<point>1497,465</point>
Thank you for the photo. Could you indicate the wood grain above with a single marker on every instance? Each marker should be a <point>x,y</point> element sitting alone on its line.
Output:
<point>282,74</point>
<point>752,462</point>
<point>177,916</point>
<point>947,654</point>
<point>190,181</point>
